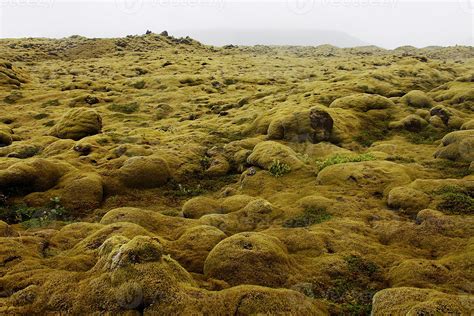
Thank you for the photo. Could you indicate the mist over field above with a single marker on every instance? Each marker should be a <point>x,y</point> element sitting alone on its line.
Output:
<point>343,23</point>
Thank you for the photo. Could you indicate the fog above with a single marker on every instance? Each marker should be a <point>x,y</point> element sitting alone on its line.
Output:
<point>344,23</point>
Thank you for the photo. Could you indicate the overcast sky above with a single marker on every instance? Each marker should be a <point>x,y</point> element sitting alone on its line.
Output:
<point>386,23</point>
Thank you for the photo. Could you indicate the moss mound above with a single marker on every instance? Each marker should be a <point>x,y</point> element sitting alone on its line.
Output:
<point>144,172</point>
<point>249,258</point>
<point>457,146</point>
<point>78,123</point>
<point>266,153</point>
<point>417,99</point>
<point>363,102</point>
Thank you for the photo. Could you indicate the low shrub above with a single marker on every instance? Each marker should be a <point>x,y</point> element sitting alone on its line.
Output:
<point>279,169</point>
<point>309,217</point>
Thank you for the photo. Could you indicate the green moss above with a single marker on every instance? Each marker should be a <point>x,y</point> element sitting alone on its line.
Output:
<point>309,217</point>
<point>124,108</point>
<point>456,200</point>
<point>340,158</point>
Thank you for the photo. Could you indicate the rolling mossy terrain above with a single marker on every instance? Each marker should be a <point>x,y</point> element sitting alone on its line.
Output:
<point>156,175</point>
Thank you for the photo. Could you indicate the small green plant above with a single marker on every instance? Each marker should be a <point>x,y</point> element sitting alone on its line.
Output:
<point>124,108</point>
<point>456,200</point>
<point>357,264</point>
<point>205,162</point>
<point>33,216</point>
<point>279,169</point>
<point>309,217</point>
<point>340,158</point>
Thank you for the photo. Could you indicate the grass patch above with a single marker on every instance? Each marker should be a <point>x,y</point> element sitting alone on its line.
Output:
<point>427,136</point>
<point>279,169</point>
<point>341,158</point>
<point>456,200</point>
<point>309,217</point>
<point>32,217</point>
<point>124,108</point>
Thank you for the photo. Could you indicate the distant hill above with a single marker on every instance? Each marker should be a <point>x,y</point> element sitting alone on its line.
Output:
<point>273,37</point>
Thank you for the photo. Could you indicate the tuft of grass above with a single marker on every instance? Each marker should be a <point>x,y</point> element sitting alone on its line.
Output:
<point>309,217</point>
<point>279,169</point>
<point>456,200</point>
<point>124,108</point>
<point>341,158</point>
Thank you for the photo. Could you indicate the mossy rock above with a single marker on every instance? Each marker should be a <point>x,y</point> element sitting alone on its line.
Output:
<point>373,176</point>
<point>144,172</point>
<point>30,176</point>
<point>193,246</point>
<point>200,206</point>
<point>314,125</point>
<point>249,258</point>
<point>411,123</point>
<point>457,146</point>
<point>408,199</point>
<point>78,123</point>
<point>81,192</point>
<point>363,102</point>
<point>266,153</point>
<point>468,125</point>
<point>417,99</point>
<point>416,301</point>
